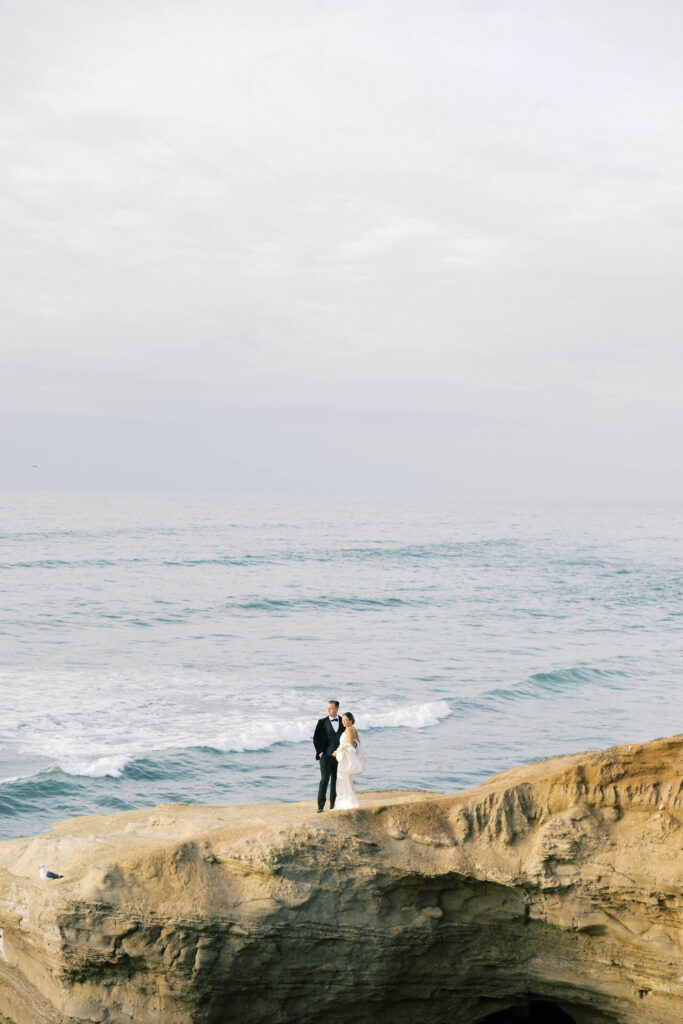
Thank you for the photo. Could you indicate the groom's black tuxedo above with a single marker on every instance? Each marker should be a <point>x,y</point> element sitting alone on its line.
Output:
<point>326,741</point>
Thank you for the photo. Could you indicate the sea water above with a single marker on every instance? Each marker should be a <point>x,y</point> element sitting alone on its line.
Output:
<point>163,648</point>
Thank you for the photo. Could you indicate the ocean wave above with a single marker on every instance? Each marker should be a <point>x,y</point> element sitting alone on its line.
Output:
<point>110,766</point>
<point>420,552</point>
<point>17,781</point>
<point>261,735</point>
<point>549,684</point>
<point>253,735</point>
<point>68,563</point>
<point>322,601</point>
<point>378,552</point>
<point>21,794</point>
<point>412,716</point>
<point>195,563</point>
<point>19,791</point>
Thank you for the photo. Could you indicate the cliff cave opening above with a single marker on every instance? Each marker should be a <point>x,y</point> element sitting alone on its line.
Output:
<point>536,1012</point>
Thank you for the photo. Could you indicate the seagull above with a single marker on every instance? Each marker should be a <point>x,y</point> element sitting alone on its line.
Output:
<point>44,873</point>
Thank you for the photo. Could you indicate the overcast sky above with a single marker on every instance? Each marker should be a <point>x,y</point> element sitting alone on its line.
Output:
<point>343,246</point>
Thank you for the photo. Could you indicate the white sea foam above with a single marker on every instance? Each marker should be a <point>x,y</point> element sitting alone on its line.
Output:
<point>111,766</point>
<point>255,734</point>
<point>258,735</point>
<point>77,754</point>
<point>411,716</point>
<point>259,729</point>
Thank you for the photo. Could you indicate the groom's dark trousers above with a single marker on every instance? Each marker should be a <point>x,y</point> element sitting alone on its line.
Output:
<point>326,741</point>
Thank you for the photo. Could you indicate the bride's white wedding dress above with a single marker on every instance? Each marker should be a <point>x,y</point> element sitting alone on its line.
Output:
<point>351,761</point>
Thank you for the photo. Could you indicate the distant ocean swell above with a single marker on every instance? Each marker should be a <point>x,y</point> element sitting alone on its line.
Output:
<point>388,552</point>
<point>548,684</point>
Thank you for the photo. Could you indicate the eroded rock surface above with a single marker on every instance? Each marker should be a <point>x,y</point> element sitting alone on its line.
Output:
<point>561,881</point>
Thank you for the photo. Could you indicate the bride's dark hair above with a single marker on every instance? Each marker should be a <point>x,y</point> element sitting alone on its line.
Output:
<point>347,714</point>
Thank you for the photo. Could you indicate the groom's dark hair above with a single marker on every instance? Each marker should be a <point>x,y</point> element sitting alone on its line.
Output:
<point>335,702</point>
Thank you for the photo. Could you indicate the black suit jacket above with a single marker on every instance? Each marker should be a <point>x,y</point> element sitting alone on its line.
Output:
<point>325,739</point>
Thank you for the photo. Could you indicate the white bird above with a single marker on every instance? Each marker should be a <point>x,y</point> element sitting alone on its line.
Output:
<point>44,873</point>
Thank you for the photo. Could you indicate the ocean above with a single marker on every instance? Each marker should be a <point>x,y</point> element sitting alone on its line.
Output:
<point>158,648</point>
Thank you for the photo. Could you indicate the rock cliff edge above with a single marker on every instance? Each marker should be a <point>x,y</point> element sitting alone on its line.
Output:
<point>559,883</point>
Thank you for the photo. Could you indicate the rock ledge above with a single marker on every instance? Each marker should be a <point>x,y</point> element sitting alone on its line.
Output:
<point>560,881</point>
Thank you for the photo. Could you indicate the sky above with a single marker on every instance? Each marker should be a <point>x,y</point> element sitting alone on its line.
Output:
<point>342,247</point>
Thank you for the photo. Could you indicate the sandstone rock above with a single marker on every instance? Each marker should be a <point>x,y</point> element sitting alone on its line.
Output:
<point>559,882</point>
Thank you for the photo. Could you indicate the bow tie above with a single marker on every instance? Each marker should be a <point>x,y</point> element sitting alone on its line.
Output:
<point>334,719</point>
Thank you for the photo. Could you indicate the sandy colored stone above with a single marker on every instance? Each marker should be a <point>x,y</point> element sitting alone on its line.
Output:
<point>561,880</point>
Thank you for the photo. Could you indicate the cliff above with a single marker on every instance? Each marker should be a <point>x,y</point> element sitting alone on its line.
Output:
<point>553,890</point>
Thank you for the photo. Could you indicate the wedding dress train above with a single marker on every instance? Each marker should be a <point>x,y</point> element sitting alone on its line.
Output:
<point>351,761</point>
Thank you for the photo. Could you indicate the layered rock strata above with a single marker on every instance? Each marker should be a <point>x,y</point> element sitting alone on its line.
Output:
<point>558,884</point>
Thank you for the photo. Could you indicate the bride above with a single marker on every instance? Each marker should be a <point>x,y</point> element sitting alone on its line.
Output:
<point>351,761</point>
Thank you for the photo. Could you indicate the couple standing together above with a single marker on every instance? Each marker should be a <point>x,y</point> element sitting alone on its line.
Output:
<point>341,755</point>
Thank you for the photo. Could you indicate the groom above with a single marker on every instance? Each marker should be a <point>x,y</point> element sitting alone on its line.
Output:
<point>326,739</point>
